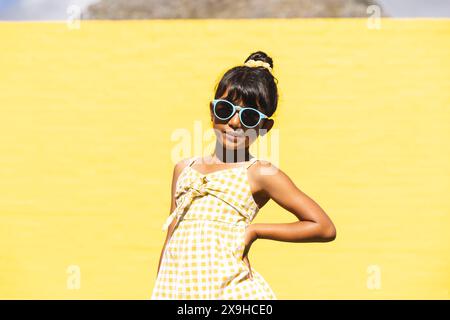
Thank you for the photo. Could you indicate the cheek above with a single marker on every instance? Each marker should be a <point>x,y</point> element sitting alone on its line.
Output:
<point>216,126</point>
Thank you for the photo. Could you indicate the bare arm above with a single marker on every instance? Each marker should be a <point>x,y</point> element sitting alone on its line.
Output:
<point>314,225</point>
<point>176,172</point>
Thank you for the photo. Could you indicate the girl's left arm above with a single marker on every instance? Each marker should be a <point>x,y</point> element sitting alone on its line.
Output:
<point>314,225</point>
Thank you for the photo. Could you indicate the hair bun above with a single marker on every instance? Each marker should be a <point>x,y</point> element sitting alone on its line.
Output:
<point>260,56</point>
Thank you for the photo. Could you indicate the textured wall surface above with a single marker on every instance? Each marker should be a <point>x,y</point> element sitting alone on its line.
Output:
<point>87,115</point>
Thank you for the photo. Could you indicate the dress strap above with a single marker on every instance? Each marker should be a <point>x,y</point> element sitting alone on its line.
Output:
<point>192,160</point>
<point>252,161</point>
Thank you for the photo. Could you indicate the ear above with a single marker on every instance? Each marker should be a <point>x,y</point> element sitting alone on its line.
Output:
<point>268,124</point>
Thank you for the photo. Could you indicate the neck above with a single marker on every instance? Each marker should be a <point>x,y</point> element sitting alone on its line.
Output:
<point>223,154</point>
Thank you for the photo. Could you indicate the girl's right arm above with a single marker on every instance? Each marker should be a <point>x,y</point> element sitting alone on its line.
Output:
<point>176,172</point>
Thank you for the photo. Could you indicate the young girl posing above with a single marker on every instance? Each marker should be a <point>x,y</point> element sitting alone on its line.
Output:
<point>215,198</point>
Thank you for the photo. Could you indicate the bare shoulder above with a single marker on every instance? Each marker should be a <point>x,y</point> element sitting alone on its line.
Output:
<point>180,165</point>
<point>264,174</point>
<point>260,175</point>
<point>264,169</point>
<point>178,168</point>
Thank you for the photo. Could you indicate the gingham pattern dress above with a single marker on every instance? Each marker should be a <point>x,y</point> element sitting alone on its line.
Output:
<point>203,256</point>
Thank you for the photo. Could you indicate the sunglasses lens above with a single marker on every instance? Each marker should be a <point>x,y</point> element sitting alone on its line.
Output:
<point>250,118</point>
<point>223,110</point>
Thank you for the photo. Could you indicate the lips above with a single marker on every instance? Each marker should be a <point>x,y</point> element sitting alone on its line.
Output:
<point>233,136</point>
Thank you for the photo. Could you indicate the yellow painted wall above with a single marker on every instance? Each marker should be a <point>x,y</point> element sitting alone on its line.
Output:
<point>86,118</point>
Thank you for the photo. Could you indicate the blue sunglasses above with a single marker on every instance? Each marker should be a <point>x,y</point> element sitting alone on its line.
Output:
<point>250,117</point>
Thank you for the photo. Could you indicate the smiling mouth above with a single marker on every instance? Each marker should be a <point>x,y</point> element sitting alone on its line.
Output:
<point>233,135</point>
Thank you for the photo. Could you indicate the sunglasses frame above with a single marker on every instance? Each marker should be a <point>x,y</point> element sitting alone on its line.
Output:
<point>240,110</point>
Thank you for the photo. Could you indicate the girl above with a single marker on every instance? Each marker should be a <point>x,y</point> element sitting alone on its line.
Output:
<point>215,198</point>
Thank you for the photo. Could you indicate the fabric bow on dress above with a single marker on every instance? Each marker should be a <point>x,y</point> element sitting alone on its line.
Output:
<point>200,187</point>
<point>196,189</point>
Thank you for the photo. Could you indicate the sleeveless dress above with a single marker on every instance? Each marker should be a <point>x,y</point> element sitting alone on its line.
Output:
<point>203,256</point>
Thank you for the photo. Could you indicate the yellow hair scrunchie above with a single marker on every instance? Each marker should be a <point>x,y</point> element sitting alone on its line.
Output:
<point>258,63</point>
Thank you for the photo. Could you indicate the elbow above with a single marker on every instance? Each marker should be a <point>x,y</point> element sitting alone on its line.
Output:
<point>328,234</point>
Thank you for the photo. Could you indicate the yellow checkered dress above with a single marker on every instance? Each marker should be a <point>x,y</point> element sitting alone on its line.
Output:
<point>203,257</point>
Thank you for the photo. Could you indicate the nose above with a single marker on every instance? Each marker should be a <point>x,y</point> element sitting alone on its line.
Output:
<point>235,122</point>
